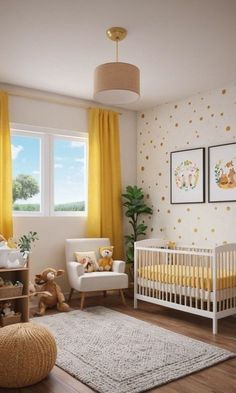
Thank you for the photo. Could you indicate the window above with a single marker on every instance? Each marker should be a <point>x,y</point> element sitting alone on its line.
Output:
<point>49,172</point>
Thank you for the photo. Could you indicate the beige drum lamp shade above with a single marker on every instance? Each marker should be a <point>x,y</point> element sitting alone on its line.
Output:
<point>116,83</point>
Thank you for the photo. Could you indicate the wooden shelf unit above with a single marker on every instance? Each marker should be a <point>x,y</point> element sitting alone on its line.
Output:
<point>19,303</point>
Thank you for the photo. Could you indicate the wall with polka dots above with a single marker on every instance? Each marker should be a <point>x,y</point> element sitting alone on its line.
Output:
<point>200,121</point>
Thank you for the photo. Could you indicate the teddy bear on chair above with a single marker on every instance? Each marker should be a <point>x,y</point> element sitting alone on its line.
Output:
<point>105,263</point>
<point>45,281</point>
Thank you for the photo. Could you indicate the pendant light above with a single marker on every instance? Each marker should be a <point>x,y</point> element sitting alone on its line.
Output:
<point>116,83</point>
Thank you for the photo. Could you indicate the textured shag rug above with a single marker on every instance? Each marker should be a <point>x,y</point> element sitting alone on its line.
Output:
<point>114,353</point>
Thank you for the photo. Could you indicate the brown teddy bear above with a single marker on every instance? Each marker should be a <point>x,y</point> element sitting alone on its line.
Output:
<point>45,281</point>
<point>105,263</point>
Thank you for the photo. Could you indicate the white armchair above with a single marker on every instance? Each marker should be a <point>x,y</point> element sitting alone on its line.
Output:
<point>95,281</point>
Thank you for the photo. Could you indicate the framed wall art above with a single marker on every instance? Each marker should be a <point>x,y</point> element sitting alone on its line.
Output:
<point>222,173</point>
<point>187,176</point>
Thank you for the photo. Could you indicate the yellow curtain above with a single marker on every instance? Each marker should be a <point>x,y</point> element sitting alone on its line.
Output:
<point>6,226</point>
<point>104,179</point>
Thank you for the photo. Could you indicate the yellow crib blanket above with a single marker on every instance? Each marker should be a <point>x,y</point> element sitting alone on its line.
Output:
<point>188,276</point>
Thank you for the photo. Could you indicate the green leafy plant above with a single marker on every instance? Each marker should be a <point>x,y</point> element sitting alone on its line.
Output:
<point>25,242</point>
<point>135,207</point>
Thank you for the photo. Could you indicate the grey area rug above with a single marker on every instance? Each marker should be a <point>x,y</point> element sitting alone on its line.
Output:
<point>114,353</point>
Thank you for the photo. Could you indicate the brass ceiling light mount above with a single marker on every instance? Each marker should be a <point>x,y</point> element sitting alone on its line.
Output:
<point>116,83</point>
<point>116,33</point>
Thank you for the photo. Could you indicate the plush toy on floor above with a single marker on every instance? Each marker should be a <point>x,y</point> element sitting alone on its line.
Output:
<point>105,263</point>
<point>45,281</point>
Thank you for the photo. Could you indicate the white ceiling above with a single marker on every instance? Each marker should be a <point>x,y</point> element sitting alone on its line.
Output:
<point>181,46</point>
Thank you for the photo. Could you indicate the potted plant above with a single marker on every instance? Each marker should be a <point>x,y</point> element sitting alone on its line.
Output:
<point>15,253</point>
<point>25,243</point>
<point>135,207</point>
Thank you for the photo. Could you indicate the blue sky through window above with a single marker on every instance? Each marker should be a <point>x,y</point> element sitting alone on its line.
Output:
<point>69,171</point>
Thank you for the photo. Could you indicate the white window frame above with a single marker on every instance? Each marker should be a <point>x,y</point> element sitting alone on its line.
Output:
<point>23,132</point>
<point>47,136</point>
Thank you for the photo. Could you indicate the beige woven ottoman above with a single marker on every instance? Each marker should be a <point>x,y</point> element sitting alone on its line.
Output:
<point>28,353</point>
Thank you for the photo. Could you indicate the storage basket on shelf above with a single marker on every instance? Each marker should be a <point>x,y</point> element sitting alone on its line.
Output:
<point>10,319</point>
<point>7,292</point>
<point>11,258</point>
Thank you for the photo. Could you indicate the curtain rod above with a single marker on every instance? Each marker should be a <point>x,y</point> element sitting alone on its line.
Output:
<point>60,101</point>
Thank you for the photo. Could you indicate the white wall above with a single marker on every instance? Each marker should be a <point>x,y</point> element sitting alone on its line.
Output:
<point>200,121</point>
<point>52,231</point>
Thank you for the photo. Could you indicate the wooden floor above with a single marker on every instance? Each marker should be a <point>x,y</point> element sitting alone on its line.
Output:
<point>217,379</point>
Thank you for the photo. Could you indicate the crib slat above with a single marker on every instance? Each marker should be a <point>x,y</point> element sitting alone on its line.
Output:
<point>218,273</point>
<point>149,281</point>
<point>170,270</point>
<point>234,275</point>
<point>178,275</point>
<point>161,277</point>
<point>138,252</point>
<point>198,279</point>
<point>221,279</point>
<point>231,278</point>
<point>202,281</point>
<point>175,273</point>
<point>147,273</point>
<point>143,267</point>
<point>190,289</point>
<point>158,267</point>
<point>227,280</point>
<point>208,266</point>
<point>186,268</point>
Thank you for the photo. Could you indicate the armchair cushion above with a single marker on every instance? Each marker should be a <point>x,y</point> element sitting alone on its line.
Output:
<point>102,281</point>
<point>88,260</point>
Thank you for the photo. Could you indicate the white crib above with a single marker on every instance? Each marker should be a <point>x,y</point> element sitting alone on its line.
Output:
<point>197,280</point>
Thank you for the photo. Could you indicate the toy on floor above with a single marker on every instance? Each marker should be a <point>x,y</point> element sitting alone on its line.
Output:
<point>105,263</point>
<point>46,282</point>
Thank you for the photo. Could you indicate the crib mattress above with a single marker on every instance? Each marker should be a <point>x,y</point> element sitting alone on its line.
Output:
<point>189,276</point>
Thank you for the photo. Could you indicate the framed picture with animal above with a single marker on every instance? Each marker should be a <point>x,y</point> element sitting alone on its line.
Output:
<point>222,173</point>
<point>187,176</point>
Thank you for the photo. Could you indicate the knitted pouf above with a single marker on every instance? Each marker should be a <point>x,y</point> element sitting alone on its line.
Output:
<point>27,354</point>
